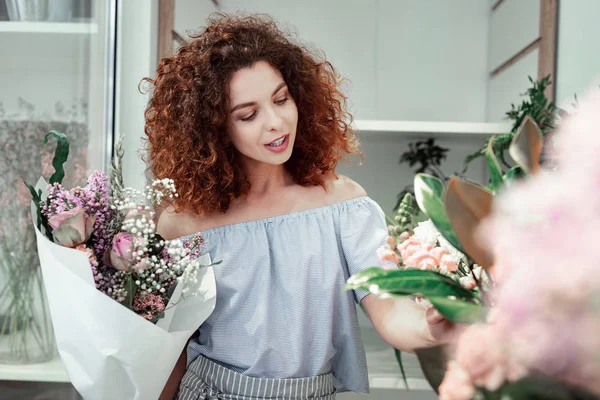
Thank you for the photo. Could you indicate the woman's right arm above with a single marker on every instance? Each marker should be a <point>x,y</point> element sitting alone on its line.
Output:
<point>170,389</point>
<point>167,228</point>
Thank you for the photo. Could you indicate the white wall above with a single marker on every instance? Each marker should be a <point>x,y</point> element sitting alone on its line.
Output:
<point>578,67</point>
<point>513,26</point>
<point>405,59</point>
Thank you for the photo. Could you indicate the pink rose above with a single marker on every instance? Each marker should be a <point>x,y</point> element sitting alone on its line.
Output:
<point>121,252</point>
<point>456,384</point>
<point>72,228</point>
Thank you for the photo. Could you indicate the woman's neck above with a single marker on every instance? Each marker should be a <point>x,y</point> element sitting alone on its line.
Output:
<point>268,180</point>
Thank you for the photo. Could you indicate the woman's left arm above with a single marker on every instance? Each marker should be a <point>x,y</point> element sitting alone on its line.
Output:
<point>407,326</point>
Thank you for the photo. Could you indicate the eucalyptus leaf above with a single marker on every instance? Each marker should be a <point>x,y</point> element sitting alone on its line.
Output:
<point>526,146</point>
<point>429,193</point>
<point>459,311</point>
<point>60,155</point>
<point>467,204</point>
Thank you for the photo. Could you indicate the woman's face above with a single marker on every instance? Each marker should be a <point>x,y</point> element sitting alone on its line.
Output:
<point>262,115</point>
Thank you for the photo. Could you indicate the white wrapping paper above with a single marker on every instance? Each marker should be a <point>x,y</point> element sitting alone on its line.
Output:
<point>109,352</point>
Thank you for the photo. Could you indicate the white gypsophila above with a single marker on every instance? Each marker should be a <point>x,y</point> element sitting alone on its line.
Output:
<point>426,232</point>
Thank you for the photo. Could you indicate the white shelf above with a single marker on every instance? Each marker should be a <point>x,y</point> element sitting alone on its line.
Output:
<point>52,371</point>
<point>76,28</point>
<point>432,128</point>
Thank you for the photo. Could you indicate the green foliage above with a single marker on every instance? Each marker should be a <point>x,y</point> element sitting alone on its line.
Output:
<point>537,106</point>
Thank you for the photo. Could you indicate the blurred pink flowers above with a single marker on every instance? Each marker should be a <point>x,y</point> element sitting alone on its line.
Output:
<point>544,233</point>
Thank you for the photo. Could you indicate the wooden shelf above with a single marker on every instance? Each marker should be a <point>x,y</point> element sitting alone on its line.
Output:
<point>52,371</point>
<point>73,28</point>
<point>432,128</point>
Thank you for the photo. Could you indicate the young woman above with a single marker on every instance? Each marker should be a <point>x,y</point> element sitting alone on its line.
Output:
<point>251,126</point>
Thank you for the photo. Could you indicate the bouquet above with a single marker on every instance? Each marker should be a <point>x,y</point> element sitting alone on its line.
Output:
<point>532,332</point>
<point>123,300</point>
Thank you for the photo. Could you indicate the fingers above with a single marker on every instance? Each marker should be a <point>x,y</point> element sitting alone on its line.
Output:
<point>433,316</point>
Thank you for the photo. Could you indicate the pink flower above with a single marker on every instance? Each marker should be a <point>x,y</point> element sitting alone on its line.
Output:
<point>408,247</point>
<point>456,384</point>
<point>448,263</point>
<point>482,352</point>
<point>390,241</point>
<point>121,251</point>
<point>420,259</point>
<point>121,256</point>
<point>438,253</point>
<point>386,254</point>
<point>73,227</point>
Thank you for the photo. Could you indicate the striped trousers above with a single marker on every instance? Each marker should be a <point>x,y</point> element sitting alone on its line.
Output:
<point>207,380</point>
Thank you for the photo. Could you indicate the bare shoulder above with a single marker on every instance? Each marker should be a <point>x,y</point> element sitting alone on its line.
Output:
<point>172,225</point>
<point>343,188</point>
<point>168,223</point>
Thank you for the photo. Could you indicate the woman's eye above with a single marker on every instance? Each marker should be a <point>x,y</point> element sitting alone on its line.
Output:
<point>282,101</point>
<point>249,118</point>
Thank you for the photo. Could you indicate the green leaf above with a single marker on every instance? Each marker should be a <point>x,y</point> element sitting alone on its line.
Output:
<point>459,311</point>
<point>496,175</point>
<point>513,174</point>
<point>407,282</point>
<point>60,155</point>
<point>429,192</point>
<point>471,157</point>
<point>399,359</point>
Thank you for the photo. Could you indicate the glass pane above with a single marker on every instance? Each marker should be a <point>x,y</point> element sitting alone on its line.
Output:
<point>56,74</point>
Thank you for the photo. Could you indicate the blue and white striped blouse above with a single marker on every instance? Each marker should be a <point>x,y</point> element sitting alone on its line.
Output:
<point>281,311</point>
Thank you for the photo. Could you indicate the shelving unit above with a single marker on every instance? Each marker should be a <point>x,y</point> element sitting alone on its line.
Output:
<point>52,371</point>
<point>431,128</point>
<point>76,28</point>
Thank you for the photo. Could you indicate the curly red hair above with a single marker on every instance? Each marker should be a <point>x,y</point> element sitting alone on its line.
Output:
<point>186,119</point>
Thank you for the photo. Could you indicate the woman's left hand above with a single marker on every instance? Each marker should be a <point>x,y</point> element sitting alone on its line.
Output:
<point>442,330</point>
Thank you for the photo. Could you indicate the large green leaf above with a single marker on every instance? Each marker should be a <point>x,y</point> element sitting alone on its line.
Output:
<point>429,192</point>
<point>496,175</point>
<point>60,155</point>
<point>459,311</point>
<point>407,282</point>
